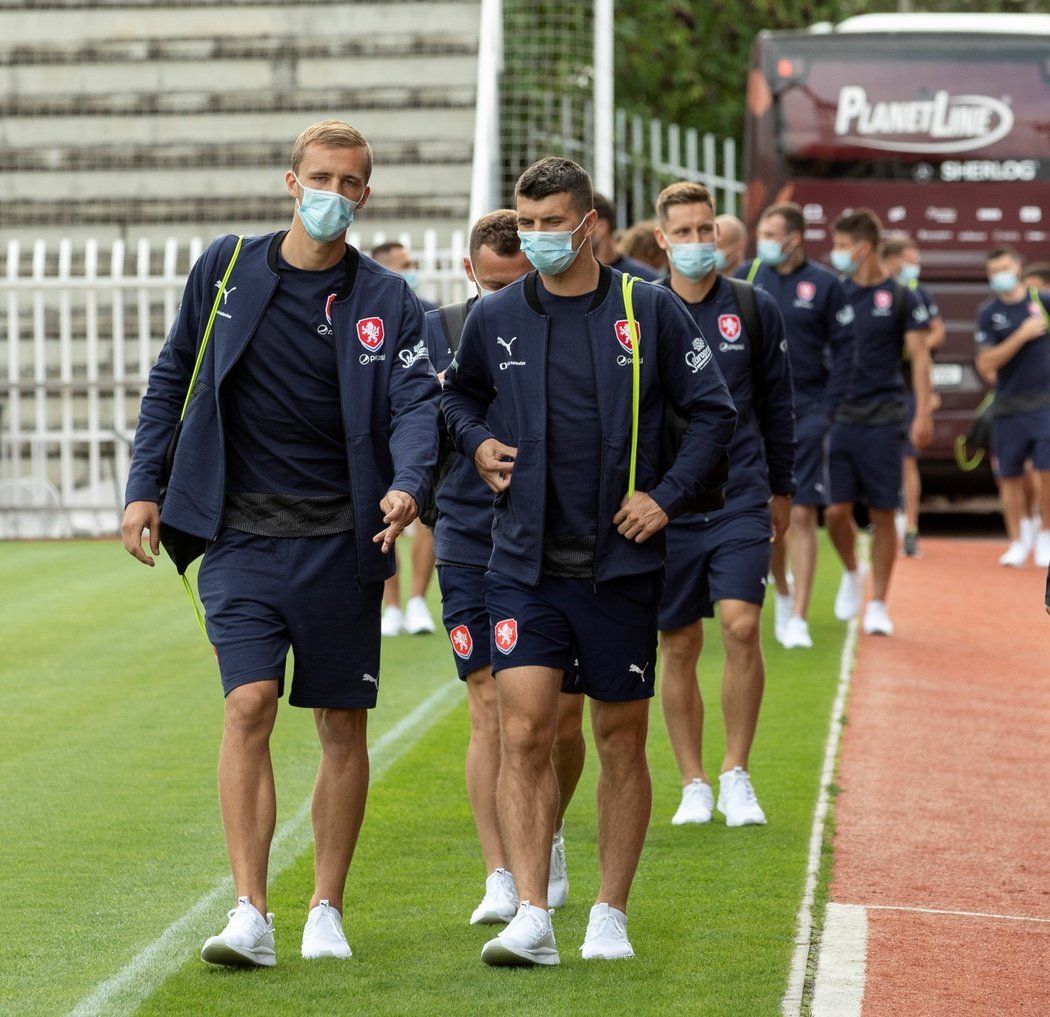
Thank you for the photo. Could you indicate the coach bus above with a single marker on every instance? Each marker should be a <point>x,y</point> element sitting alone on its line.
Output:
<point>941,124</point>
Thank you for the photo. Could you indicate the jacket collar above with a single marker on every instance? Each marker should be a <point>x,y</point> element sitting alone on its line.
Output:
<point>351,259</point>
<point>601,292</point>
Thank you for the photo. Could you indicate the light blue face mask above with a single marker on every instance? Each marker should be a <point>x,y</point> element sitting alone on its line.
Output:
<point>770,252</point>
<point>720,261</point>
<point>908,273</point>
<point>325,215</point>
<point>1004,282</point>
<point>844,262</point>
<point>694,261</point>
<point>412,278</point>
<point>551,253</point>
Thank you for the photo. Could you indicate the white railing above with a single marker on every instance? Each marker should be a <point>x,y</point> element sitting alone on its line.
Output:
<point>82,326</point>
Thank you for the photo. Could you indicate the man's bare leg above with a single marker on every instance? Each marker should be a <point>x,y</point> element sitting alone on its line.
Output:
<point>743,680</point>
<point>1012,494</point>
<point>883,551</point>
<point>625,794</point>
<point>422,560</point>
<point>339,799</point>
<point>246,789</point>
<point>843,533</point>
<point>527,792</point>
<point>483,764</point>
<point>912,494</point>
<point>778,566</point>
<point>570,750</point>
<point>802,545</point>
<point>680,698</point>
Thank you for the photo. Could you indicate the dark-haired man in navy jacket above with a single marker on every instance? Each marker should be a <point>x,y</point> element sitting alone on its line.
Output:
<point>577,564</point>
<point>308,441</point>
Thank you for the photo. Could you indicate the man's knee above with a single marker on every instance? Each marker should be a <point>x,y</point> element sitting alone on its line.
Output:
<point>883,519</point>
<point>484,705</point>
<point>680,649</point>
<point>251,709</point>
<point>342,731</point>
<point>570,721</point>
<point>741,627</point>
<point>803,518</point>
<point>620,731</point>
<point>526,737</point>
<point>838,514</point>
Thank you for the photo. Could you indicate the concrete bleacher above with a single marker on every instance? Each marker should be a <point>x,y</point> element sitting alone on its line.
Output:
<point>176,117</point>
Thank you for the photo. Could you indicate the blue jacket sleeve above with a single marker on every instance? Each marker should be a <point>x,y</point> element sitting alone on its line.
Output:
<point>414,392</point>
<point>166,389</point>
<point>468,391</point>
<point>776,417</point>
<point>840,324</point>
<point>691,381</point>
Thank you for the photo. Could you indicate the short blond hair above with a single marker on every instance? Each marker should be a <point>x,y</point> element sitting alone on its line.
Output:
<point>331,134</point>
<point>684,192</point>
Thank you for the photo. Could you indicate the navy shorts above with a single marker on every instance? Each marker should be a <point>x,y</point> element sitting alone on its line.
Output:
<point>466,620</point>
<point>264,595</point>
<point>610,628</point>
<point>725,558</point>
<point>1018,438</point>
<point>811,460</point>
<point>865,464</point>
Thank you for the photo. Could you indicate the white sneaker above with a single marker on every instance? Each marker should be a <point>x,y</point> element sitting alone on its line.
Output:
<point>1042,549</point>
<point>1016,555</point>
<point>528,940</point>
<point>418,621</point>
<point>737,801</point>
<point>877,619</point>
<point>1029,532</point>
<point>796,635</point>
<point>850,595</point>
<point>558,880</point>
<point>783,605</point>
<point>323,934</point>
<point>500,902</point>
<point>246,942</point>
<point>698,803</point>
<point>393,621</point>
<point>606,937</point>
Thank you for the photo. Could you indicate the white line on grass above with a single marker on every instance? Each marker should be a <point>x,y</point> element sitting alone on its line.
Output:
<point>838,990</point>
<point>961,914</point>
<point>142,975</point>
<point>791,1005</point>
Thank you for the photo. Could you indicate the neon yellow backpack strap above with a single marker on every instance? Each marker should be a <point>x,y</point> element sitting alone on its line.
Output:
<point>189,392</point>
<point>1033,295</point>
<point>753,270</point>
<point>636,377</point>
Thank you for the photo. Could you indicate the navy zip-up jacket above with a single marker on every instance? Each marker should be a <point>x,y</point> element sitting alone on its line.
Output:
<point>762,455</point>
<point>388,392</point>
<point>504,350</point>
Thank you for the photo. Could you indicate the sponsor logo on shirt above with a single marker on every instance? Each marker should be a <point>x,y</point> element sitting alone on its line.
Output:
<point>623,337</point>
<point>729,326</point>
<point>506,633</point>
<point>883,301</point>
<point>462,642</point>
<point>805,291</point>
<point>370,333</point>
<point>225,296</point>
<point>699,356</point>
<point>326,329</point>
<point>845,315</point>
<point>508,345</point>
<point>418,352</point>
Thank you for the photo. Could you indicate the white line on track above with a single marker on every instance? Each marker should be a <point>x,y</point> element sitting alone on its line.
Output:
<point>791,1004</point>
<point>838,990</point>
<point>961,914</point>
<point>141,976</point>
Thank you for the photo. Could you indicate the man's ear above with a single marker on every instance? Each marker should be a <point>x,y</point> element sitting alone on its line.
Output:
<point>469,269</point>
<point>290,185</point>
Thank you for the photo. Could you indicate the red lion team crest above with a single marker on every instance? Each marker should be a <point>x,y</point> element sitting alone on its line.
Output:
<point>370,332</point>
<point>328,306</point>
<point>623,333</point>
<point>462,642</point>
<point>506,633</point>
<point>729,326</point>
<point>806,290</point>
<point>883,299</point>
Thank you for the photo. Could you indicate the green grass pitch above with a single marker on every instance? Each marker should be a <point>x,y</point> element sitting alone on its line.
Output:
<point>110,721</point>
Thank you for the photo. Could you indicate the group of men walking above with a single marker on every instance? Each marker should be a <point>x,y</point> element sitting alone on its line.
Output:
<point>614,458</point>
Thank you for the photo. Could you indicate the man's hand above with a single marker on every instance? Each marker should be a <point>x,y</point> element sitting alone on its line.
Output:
<point>921,433</point>
<point>138,517</point>
<point>780,514</point>
<point>494,461</point>
<point>399,509</point>
<point>1031,328</point>
<point>639,517</point>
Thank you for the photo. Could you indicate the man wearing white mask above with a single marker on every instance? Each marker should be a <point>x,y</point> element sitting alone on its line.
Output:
<point>307,439</point>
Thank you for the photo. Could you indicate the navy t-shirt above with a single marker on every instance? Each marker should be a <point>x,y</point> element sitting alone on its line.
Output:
<point>818,320</point>
<point>762,453</point>
<point>632,266</point>
<point>574,435</point>
<point>283,419</point>
<point>1028,371</point>
<point>873,369</point>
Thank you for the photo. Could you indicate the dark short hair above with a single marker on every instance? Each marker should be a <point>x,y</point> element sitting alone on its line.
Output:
<point>604,207</point>
<point>498,230</point>
<point>861,224</point>
<point>790,213</point>
<point>380,249</point>
<point>1040,269</point>
<point>895,247</point>
<point>1002,252</point>
<point>555,175</point>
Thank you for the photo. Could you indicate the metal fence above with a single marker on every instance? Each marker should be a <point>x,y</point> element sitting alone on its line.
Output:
<point>82,325</point>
